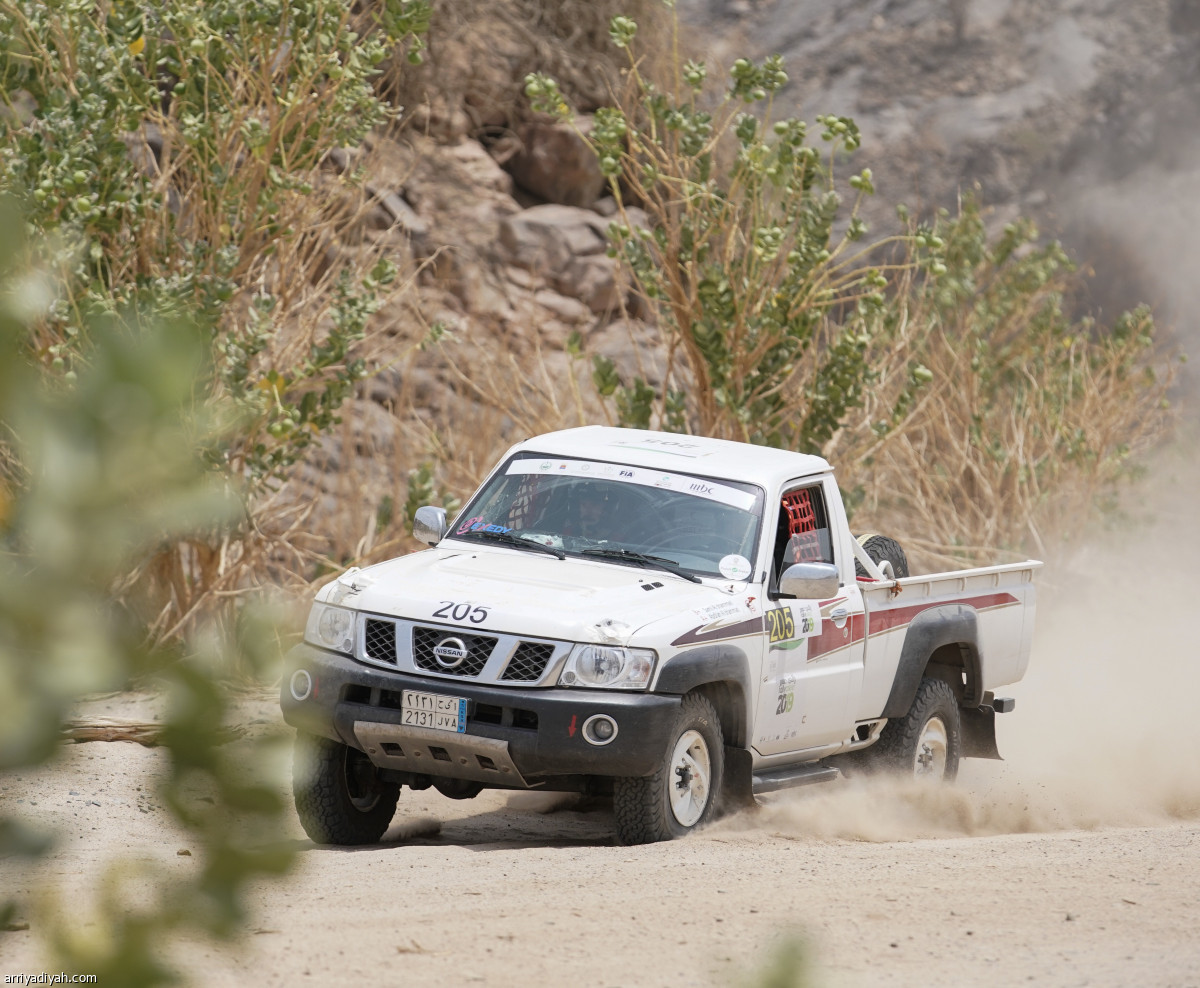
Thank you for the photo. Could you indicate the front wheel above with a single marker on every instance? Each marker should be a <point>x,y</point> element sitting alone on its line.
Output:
<point>340,797</point>
<point>926,743</point>
<point>683,794</point>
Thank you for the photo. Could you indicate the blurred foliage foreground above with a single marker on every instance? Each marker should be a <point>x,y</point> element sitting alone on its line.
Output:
<point>97,473</point>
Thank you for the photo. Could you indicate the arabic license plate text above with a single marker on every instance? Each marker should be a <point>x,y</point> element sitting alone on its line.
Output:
<point>443,713</point>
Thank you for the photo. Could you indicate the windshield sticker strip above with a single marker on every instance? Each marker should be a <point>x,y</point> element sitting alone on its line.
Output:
<point>709,489</point>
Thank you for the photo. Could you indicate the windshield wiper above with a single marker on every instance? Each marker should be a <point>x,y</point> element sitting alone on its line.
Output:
<point>628,555</point>
<point>507,538</point>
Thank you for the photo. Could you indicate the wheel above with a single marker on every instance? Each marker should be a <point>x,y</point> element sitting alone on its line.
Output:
<point>339,795</point>
<point>926,743</point>
<point>685,791</point>
<point>883,550</point>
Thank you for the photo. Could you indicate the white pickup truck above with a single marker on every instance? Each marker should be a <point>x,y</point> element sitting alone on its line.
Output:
<point>679,622</point>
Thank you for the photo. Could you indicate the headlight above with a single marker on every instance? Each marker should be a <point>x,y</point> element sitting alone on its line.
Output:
<point>608,667</point>
<point>331,627</point>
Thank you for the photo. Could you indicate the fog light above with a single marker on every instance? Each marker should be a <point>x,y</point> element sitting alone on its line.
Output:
<point>599,729</point>
<point>301,685</point>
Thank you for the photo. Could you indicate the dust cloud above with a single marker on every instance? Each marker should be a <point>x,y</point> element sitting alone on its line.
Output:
<point>1105,731</point>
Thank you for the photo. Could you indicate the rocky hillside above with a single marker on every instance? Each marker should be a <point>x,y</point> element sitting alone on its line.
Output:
<point>1079,113</point>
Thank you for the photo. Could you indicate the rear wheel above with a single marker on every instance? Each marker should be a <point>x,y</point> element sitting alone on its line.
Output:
<point>340,797</point>
<point>683,794</point>
<point>927,742</point>
<point>881,549</point>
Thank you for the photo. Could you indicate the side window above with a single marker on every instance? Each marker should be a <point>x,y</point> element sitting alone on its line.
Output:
<point>802,534</point>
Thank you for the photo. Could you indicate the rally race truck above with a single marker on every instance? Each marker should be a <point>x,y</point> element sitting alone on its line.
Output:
<point>675,622</point>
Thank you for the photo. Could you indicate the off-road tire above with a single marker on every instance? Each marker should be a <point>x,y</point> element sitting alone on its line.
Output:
<point>880,548</point>
<point>909,742</point>
<point>643,807</point>
<point>339,795</point>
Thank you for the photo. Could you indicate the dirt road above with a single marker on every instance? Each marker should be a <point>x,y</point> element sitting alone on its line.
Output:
<point>898,887</point>
<point>1074,862</point>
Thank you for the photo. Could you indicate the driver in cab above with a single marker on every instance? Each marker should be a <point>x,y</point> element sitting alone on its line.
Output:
<point>595,514</point>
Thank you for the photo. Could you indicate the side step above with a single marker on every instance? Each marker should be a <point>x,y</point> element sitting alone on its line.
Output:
<point>790,778</point>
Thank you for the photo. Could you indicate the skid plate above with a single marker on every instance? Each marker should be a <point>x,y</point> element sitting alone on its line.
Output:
<point>429,751</point>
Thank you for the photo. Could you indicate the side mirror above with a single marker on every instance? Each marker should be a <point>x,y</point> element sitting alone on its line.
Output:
<point>429,524</point>
<point>810,581</point>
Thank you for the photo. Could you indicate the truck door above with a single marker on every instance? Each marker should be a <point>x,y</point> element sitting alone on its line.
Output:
<point>813,652</point>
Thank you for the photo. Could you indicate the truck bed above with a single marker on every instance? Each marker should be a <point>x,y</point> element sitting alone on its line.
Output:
<point>1001,596</point>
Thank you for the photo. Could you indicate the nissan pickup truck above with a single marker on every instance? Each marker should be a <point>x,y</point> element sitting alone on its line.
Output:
<point>677,622</point>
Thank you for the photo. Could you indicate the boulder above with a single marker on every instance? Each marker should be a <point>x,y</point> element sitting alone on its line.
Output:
<point>566,245</point>
<point>555,163</point>
<point>593,280</point>
<point>635,348</point>
<point>569,310</point>
<point>392,212</point>
<point>544,238</point>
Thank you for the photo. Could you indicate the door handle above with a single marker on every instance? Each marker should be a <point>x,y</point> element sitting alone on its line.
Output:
<point>839,616</point>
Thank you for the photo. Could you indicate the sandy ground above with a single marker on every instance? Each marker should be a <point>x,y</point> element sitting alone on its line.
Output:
<point>1074,862</point>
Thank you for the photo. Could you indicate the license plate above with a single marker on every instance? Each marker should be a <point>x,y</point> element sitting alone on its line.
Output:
<point>442,713</point>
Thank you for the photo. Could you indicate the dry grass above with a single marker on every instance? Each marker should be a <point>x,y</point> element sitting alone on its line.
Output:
<point>978,470</point>
<point>967,474</point>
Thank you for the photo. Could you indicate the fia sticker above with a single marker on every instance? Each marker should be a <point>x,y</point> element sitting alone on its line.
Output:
<point>735,567</point>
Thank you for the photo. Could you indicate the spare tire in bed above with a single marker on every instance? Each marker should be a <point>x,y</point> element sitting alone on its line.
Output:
<point>880,548</point>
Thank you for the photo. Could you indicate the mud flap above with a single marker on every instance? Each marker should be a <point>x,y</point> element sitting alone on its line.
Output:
<point>737,787</point>
<point>979,732</point>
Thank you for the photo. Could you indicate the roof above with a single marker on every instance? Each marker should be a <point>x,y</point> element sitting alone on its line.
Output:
<point>721,458</point>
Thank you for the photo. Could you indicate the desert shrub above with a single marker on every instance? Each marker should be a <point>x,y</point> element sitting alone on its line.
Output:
<point>169,156</point>
<point>757,274</point>
<point>939,367</point>
<point>97,475</point>
<point>1032,415</point>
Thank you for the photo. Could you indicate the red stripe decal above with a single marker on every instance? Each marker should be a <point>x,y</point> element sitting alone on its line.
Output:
<point>853,631</point>
<point>832,637</point>
<point>752,627</point>
<point>888,618</point>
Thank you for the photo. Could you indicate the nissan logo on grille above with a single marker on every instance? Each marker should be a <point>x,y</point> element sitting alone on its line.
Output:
<point>451,653</point>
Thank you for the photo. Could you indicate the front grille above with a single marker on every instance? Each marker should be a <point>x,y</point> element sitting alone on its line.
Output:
<point>380,640</point>
<point>528,662</point>
<point>479,649</point>
<point>407,646</point>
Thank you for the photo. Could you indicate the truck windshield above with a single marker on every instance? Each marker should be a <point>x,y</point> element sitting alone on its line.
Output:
<point>704,526</point>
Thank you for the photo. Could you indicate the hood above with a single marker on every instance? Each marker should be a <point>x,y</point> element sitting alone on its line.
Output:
<point>522,593</point>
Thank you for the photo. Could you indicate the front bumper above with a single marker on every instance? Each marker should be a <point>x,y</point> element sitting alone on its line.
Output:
<point>535,733</point>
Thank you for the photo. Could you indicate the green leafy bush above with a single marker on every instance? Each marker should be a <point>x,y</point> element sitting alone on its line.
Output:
<point>940,367</point>
<point>1031,414</point>
<point>752,266</point>
<point>170,156</point>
